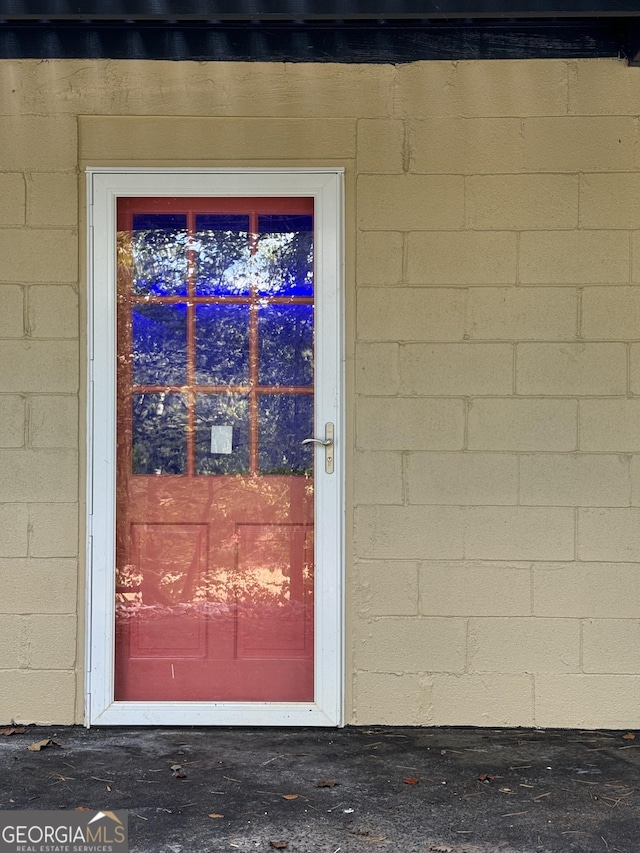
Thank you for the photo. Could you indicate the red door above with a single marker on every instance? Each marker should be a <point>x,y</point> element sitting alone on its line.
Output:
<point>214,588</point>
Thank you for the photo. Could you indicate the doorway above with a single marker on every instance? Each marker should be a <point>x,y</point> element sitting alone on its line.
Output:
<point>215,523</point>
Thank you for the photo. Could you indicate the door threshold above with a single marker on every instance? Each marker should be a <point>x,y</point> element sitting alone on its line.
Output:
<point>214,714</point>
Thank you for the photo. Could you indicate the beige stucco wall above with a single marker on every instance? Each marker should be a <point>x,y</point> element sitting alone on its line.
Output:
<point>493,366</point>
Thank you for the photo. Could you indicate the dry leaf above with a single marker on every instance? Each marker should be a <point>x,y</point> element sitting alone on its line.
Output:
<point>279,845</point>
<point>628,736</point>
<point>326,783</point>
<point>82,809</point>
<point>411,780</point>
<point>505,790</point>
<point>441,848</point>
<point>290,796</point>
<point>42,744</point>
<point>13,730</point>
<point>214,815</point>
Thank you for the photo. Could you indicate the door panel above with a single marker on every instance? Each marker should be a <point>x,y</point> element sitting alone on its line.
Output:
<point>215,491</point>
<point>286,624</point>
<point>170,560</point>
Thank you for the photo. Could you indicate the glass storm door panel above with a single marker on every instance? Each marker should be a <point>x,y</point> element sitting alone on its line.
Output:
<point>215,491</point>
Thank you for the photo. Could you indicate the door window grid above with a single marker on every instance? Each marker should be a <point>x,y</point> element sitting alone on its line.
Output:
<point>256,300</point>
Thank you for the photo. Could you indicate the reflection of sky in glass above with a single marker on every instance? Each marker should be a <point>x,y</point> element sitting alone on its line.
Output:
<point>285,344</point>
<point>223,410</point>
<point>222,344</point>
<point>284,420</point>
<point>159,344</point>
<point>221,254</point>
<point>159,434</point>
<point>284,258</point>
<point>158,253</point>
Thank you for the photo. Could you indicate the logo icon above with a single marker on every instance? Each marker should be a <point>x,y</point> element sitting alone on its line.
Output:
<point>111,815</point>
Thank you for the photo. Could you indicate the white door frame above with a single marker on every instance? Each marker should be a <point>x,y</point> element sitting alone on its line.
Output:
<point>104,186</point>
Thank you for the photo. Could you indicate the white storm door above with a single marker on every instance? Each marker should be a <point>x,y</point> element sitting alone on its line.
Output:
<point>215,447</point>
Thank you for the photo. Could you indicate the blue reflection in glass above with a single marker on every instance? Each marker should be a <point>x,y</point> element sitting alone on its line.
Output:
<point>285,345</point>
<point>159,255</point>
<point>222,344</point>
<point>284,258</point>
<point>221,253</point>
<point>159,344</point>
<point>228,410</point>
<point>284,420</point>
<point>159,434</point>
<point>159,221</point>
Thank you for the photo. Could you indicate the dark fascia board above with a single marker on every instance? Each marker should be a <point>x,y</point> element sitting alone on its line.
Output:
<point>310,10</point>
<point>370,42</point>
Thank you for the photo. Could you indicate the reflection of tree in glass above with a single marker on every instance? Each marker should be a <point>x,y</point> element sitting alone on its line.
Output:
<point>285,345</point>
<point>159,262</point>
<point>128,580</point>
<point>284,420</point>
<point>159,344</point>
<point>283,263</point>
<point>222,262</point>
<point>222,344</point>
<point>222,410</point>
<point>267,563</point>
<point>159,434</point>
<point>271,580</point>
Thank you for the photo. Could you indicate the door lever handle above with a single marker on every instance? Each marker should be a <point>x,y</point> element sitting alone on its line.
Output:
<point>327,443</point>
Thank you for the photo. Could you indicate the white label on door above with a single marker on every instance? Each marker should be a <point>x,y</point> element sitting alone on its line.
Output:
<point>221,439</point>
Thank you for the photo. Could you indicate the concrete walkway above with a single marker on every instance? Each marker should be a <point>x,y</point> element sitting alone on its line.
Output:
<point>349,790</point>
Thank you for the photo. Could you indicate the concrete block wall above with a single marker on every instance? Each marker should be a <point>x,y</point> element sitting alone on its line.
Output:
<point>493,366</point>
<point>496,527</point>
<point>39,385</point>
